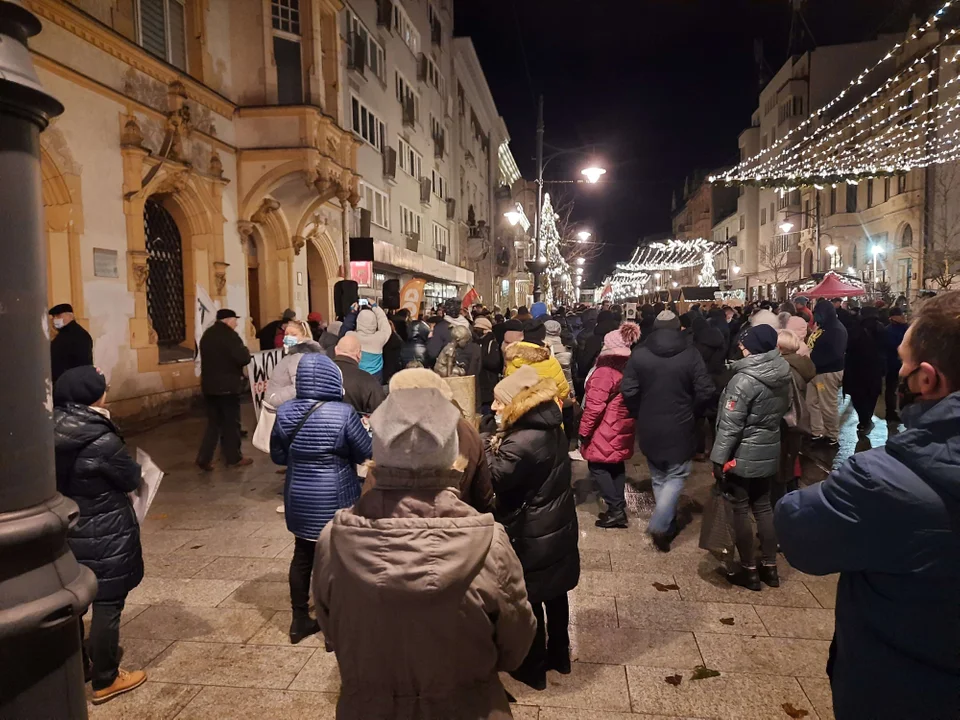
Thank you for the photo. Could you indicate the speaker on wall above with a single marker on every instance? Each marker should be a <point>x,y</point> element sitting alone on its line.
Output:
<point>391,295</point>
<point>345,294</point>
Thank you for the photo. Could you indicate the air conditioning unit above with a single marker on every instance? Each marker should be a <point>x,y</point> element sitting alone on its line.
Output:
<point>413,242</point>
<point>409,112</point>
<point>385,14</point>
<point>364,222</point>
<point>451,208</point>
<point>426,189</point>
<point>356,54</point>
<point>390,163</point>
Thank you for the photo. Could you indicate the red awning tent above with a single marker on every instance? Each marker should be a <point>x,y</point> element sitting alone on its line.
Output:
<point>832,286</point>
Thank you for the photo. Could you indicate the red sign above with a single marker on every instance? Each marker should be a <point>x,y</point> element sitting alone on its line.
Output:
<point>362,272</point>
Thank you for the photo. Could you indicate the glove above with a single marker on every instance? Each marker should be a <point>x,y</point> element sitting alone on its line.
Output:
<point>729,465</point>
<point>718,472</point>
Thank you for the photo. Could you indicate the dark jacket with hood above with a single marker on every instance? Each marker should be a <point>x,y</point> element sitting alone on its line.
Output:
<point>665,384</point>
<point>588,324</point>
<point>95,470</point>
<point>748,417</point>
<point>888,520</point>
<point>590,346</point>
<point>710,344</point>
<point>530,469</point>
<point>491,366</point>
<point>865,364</point>
<point>223,358</point>
<point>321,460</point>
<point>892,337</point>
<point>828,343</point>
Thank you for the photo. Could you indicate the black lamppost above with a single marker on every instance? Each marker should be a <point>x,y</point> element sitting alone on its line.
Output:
<point>43,590</point>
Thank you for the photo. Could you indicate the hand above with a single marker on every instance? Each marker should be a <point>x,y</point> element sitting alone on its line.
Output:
<point>718,472</point>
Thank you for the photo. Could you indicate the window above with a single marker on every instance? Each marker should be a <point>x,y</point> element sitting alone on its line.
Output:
<point>411,162</point>
<point>901,183</point>
<point>435,77</point>
<point>405,28</point>
<point>436,27</point>
<point>165,304</point>
<point>869,193</point>
<point>906,239</point>
<point>410,221</point>
<point>162,30</point>
<point>805,218</point>
<point>366,124</point>
<point>405,92</point>
<point>833,200</point>
<point>377,202</point>
<point>441,236</point>
<point>886,189</point>
<point>439,185</point>
<point>851,197</point>
<point>743,222</point>
<point>763,216</point>
<point>375,56</point>
<point>285,19</point>
<point>285,15</point>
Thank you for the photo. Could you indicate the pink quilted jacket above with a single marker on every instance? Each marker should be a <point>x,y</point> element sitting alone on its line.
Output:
<point>606,424</point>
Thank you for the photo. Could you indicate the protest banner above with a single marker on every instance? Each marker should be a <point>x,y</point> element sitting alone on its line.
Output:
<point>260,368</point>
<point>205,315</point>
<point>411,296</point>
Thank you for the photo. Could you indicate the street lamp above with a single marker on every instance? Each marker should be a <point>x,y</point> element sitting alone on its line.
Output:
<point>584,235</point>
<point>580,261</point>
<point>675,283</point>
<point>832,252</point>
<point>852,271</point>
<point>513,217</point>
<point>579,271</point>
<point>876,251</point>
<point>593,174</point>
<point>786,226</point>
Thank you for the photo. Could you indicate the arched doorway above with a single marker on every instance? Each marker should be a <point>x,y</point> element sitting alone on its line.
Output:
<point>318,284</point>
<point>808,263</point>
<point>63,227</point>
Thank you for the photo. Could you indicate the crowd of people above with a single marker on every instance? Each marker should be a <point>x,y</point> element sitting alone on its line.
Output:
<point>441,542</point>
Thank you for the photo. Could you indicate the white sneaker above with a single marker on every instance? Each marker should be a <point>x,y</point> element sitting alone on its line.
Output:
<point>280,509</point>
<point>575,455</point>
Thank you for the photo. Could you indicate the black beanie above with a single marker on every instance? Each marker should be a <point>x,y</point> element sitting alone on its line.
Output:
<point>534,331</point>
<point>759,339</point>
<point>83,385</point>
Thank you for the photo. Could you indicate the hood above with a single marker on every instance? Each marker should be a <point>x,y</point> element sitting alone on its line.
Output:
<point>615,360</point>
<point>408,558</point>
<point>524,353</point>
<point>666,342</point>
<point>366,322</point>
<point>318,378</point>
<point>930,446</point>
<point>765,317</point>
<point>803,365</point>
<point>553,327</point>
<point>769,368</point>
<point>539,309</point>
<point>535,407</point>
<point>76,426</point>
<point>704,334</point>
<point>825,315</point>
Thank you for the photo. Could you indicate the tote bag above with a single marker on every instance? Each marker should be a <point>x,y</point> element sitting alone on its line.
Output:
<point>261,436</point>
<point>716,533</point>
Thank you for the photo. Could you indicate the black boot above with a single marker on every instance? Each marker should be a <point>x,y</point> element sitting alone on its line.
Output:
<point>559,660</point>
<point>302,626</point>
<point>745,577</point>
<point>536,680</point>
<point>613,519</point>
<point>769,575</point>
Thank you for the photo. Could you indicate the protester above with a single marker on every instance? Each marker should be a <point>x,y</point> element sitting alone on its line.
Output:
<point>539,310</point>
<point>328,336</point>
<point>271,334</point>
<point>665,385</point>
<point>392,350</point>
<point>512,333</point>
<point>282,385</point>
<point>865,366</point>
<point>710,343</point>
<point>558,349</point>
<point>607,427</point>
<point>892,337</point>
<point>796,422</point>
<point>427,635</point>
<point>491,363</point>
<point>532,479</point>
<point>476,487</point>
<point>360,389</point>
<point>789,319</point>
<point>746,452</point>
<point>588,322</point>
<point>803,310</point>
<point>316,325</point>
<point>887,521</point>
<point>321,440</point>
<point>587,353</point>
<point>223,358</point>
<point>441,332</point>
<point>72,346</point>
<point>828,344</point>
<point>95,470</point>
<point>531,351</point>
<point>373,331</point>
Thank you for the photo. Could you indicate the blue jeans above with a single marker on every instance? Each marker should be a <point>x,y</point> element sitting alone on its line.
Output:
<point>667,486</point>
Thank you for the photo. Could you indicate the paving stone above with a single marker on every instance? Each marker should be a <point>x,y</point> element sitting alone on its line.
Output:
<point>595,560</point>
<point>525,712</point>
<point>226,546</point>
<point>767,655</point>
<point>151,701</point>
<point>188,517</point>
<point>588,686</point>
<point>644,613</point>
<point>169,591</point>
<point>320,674</point>
<point>164,541</point>
<point>276,631</point>
<point>824,589</point>
<point>139,653</point>
<point>628,646</point>
<point>174,565</point>
<point>573,714</point>
<point>200,624</point>
<point>820,694</point>
<point>251,666</point>
<point>650,560</point>
<point>811,623</point>
<point>714,588</point>
<point>595,582</point>
<point>744,697</point>
<point>235,568</point>
<point>262,595</point>
<point>275,529</point>
<point>216,703</point>
<point>592,610</point>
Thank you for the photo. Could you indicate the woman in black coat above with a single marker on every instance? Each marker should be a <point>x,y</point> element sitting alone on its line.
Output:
<point>530,469</point>
<point>95,470</point>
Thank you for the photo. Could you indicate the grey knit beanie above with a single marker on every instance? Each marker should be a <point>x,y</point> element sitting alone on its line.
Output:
<point>666,320</point>
<point>415,429</point>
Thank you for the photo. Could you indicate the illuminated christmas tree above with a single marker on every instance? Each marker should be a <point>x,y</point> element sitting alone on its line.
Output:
<point>708,276</point>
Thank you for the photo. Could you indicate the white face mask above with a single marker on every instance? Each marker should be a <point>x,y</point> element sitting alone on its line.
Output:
<point>58,323</point>
<point>499,418</point>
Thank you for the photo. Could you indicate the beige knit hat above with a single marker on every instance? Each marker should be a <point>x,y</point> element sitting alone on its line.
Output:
<point>413,378</point>
<point>512,385</point>
<point>415,429</point>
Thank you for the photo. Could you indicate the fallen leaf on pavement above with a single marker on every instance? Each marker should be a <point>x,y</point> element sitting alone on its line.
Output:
<point>727,621</point>
<point>701,672</point>
<point>793,712</point>
<point>674,679</point>
<point>665,588</point>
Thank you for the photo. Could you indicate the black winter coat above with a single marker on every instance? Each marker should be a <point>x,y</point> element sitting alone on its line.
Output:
<point>491,366</point>
<point>360,389</point>
<point>223,357</point>
<point>665,384</point>
<point>391,357</point>
<point>828,343</point>
<point>709,342</point>
<point>865,363</point>
<point>530,469</point>
<point>72,347</point>
<point>95,470</point>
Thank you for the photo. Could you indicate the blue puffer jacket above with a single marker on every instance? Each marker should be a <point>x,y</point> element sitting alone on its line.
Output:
<point>888,520</point>
<point>321,462</point>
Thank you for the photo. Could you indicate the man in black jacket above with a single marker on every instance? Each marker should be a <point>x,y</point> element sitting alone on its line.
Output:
<point>828,347</point>
<point>665,384</point>
<point>73,346</point>
<point>491,363</point>
<point>360,388</point>
<point>223,357</point>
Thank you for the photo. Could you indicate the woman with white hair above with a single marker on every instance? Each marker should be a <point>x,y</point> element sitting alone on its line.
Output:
<point>796,422</point>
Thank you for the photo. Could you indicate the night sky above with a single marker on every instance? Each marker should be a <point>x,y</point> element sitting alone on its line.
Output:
<point>660,88</point>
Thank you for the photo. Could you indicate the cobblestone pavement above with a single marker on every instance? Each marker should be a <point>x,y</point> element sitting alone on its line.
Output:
<point>209,621</point>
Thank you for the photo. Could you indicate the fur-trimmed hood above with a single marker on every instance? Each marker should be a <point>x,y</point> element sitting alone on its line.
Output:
<point>529,400</point>
<point>526,353</point>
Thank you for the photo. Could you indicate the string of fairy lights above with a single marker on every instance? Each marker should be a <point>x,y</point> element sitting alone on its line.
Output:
<point>909,121</point>
<point>650,261</point>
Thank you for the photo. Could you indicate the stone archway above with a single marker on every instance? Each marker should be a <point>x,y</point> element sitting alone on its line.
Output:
<point>63,228</point>
<point>322,267</point>
<point>808,263</point>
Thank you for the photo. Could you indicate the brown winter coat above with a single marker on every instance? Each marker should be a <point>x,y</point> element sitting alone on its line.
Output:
<point>423,600</point>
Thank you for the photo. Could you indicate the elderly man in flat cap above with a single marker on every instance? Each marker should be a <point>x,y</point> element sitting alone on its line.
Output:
<point>72,347</point>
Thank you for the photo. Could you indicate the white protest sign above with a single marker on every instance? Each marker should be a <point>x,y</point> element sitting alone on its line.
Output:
<point>259,370</point>
<point>205,315</point>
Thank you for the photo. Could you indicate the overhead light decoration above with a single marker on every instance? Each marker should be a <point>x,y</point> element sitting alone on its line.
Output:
<point>625,285</point>
<point>671,255</point>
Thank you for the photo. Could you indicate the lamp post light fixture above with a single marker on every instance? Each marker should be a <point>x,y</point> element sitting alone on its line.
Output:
<point>593,174</point>
<point>579,271</point>
<point>513,217</point>
<point>831,250</point>
<point>735,269</point>
<point>580,261</point>
<point>584,235</point>
<point>852,271</point>
<point>786,226</point>
<point>876,251</point>
<point>675,284</point>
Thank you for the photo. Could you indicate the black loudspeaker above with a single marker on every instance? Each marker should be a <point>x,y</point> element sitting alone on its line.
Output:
<point>391,294</point>
<point>345,294</point>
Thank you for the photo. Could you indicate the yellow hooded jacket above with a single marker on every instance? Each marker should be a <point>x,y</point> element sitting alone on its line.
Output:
<point>539,358</point>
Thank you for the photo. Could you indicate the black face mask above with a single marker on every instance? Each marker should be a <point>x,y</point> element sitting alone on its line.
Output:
<point>905,395</point>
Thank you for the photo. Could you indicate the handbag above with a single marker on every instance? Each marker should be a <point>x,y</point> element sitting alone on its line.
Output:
<point>716,533</point>
<point>265,423</point>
